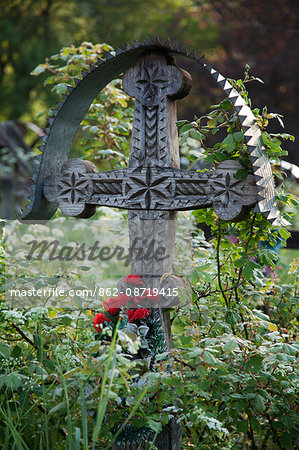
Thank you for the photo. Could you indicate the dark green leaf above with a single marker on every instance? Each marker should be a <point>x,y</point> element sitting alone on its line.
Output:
<point>5,350</point>
<point>180,122</point>
<point>238,137</point>
<point>241,174</point>
<point>286,440</point>
<point>229,143</point>
<point>16,351</point>
<point>285,234</point>
<point>186,127</point>
<point>247,272</point>
<point>225,104</point>
<point>50,364</point>
<point>230,345</point>
<point>242,426</point>
<point>37,339</point>
<point>254,363</point>
<point>259,403</point>
<point>196,135</point>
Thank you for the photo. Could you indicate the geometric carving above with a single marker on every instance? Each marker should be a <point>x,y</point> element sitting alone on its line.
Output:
<point>143,188</point>
<point>229,195</point>
<point>154,83</point>
<point>151,188</point>
<point>71,188</point>
<point>152,182</point>
<point>68,114</point>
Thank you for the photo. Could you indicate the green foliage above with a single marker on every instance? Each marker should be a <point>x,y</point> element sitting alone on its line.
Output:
<point>28,31</point>
<point>237,350</point>
<point>224,118</point>
<point>232,376</point>
<point>45,26</point>
<point>59,376</point>
<point>106,127</point>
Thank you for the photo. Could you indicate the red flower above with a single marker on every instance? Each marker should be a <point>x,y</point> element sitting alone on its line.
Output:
<point>137,314</point>
<point>99,320</point>
<point>123,299</point>
<point>116,302</point>
<point>142,313</point>
<point>111,302</point>
<point>113,311</point>
<point>130,313</point>
<point>134,279</point>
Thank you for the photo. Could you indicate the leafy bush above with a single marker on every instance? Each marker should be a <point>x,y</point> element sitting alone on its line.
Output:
<point>106,127</point>
<point>231,378</point>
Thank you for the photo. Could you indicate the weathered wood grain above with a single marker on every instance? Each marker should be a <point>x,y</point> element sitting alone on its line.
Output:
<point>79,189</point>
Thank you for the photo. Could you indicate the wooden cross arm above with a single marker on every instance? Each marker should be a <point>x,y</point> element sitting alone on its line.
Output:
<point>79,188</point>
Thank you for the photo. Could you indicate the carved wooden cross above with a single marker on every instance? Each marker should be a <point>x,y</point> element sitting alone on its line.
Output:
<point>152,183</point>
<point>153,188</point>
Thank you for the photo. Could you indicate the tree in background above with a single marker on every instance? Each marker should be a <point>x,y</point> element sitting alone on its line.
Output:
<point>265,36</point>
<point>232,33</point>
<point>30,30</point>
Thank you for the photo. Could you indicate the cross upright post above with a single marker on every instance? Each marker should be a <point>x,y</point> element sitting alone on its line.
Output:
<point>155,83</point>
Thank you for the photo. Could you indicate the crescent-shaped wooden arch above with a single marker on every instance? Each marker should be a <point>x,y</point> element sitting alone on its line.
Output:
<point>66,120</point>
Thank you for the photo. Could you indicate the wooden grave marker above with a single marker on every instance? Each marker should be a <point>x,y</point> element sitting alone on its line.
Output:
<point>153,188</point>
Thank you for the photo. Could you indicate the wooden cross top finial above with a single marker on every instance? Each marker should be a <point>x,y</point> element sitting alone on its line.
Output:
<point>152,79</point>
<point>155,85</point>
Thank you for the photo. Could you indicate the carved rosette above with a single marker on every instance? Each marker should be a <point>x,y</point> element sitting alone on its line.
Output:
<point>72,188</point>
<point>151,82</point>
<point>146,188</point>
<point>228,194</point>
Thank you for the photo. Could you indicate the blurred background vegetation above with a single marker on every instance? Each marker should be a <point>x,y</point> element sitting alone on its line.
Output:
<point>250,384</point>
<point>231,33</point>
